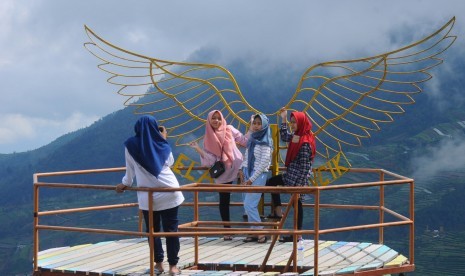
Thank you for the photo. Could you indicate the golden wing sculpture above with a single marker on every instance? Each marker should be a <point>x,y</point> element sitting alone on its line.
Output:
<point>346,100</point>
<point>180,94</point>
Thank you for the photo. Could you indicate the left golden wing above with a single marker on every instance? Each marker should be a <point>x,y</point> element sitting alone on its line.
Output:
<point>347,100</point>
<point>180,94</point>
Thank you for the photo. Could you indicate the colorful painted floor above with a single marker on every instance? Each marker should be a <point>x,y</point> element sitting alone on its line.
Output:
<point>218,257</point>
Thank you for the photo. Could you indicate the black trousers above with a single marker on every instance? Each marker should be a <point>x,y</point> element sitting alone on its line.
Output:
<point>169,219</point>
<point>275,181</point>
<point>225,200</point>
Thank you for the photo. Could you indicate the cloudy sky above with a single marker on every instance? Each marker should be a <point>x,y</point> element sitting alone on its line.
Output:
<point>50,84</point>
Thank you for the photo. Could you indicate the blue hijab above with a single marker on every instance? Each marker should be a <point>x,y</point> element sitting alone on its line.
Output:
<point>261,137</point>
<point>148,147</point>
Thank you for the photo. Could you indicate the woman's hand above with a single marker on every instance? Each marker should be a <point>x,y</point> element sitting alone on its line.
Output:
<point>251,123</point>
<point>283,114</point>
<point>240,176</point>
<point>194,145</point>
<point>120,188</point>
<point>163,132</point>
<point>247,183</point>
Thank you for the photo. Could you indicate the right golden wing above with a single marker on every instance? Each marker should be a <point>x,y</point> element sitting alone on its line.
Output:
<point>348,100</point>
<point>179,94</point>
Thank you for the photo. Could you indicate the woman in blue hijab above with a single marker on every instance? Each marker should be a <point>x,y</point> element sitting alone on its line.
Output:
<point>255,168</point>
<point>148,159</point>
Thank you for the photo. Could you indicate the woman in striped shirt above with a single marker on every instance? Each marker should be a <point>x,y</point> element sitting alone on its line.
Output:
<point>257,160</point>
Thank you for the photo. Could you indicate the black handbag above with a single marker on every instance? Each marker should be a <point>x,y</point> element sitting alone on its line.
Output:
<point>217,169</point>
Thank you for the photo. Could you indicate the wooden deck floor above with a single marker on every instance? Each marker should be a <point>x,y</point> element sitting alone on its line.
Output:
<point>218,257</point>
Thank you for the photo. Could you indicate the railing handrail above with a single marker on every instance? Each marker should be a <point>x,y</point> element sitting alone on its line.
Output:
<point>212,231</point>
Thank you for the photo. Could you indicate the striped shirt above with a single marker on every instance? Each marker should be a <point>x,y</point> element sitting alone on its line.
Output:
<point>262,154</point>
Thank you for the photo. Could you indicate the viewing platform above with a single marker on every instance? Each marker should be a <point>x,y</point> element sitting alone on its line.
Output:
<point>218,257</point>
<point>204,252</point>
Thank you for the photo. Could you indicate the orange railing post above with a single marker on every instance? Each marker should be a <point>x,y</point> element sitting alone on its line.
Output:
<point>196,219</point>
<point>151,237</point>
<point>316,226</point>
<point>36,223</point>
<point>412,225</point>
<point>381,209</point>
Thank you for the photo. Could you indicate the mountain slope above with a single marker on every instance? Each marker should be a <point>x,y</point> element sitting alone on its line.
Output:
<point>400,146</point>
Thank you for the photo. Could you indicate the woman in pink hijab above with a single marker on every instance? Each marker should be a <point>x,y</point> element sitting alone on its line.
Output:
<point>219,143</point>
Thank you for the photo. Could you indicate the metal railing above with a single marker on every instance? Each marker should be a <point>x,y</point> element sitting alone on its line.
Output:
<point>198,228</point>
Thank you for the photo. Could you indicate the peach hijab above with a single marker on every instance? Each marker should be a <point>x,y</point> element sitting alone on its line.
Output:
<point>219,140</point>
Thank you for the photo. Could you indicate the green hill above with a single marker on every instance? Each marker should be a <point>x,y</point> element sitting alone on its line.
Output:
<point>400,148</point>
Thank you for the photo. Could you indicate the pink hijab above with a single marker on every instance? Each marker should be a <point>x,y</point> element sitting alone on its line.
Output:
<point>214,140</point>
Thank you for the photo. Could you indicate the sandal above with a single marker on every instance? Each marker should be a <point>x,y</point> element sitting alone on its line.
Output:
<point>172,273</point>
<point>227,237</point>
<point>250,239</point>
<point>174,270</point>
<point>156,271</point>
<point>273,216</point>
<point>286,239</point>
<point>263,239</point>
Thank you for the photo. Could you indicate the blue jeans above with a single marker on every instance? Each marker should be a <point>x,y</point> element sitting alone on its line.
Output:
<point>251,200</point>
<point>169,219</point>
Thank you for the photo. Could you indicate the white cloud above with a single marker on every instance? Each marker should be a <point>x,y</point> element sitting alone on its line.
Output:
<point>137,36</point>
<point>448,156</point>
<point>14,126</point>
<point>46,73</point>
<point>21,133</point>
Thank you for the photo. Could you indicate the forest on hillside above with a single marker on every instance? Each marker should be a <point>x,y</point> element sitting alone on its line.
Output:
<point>412,146</point>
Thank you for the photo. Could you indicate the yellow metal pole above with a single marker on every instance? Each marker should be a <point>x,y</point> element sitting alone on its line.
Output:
<point>261,205</point>
<point>274,165</point>
<point>274,157</point>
